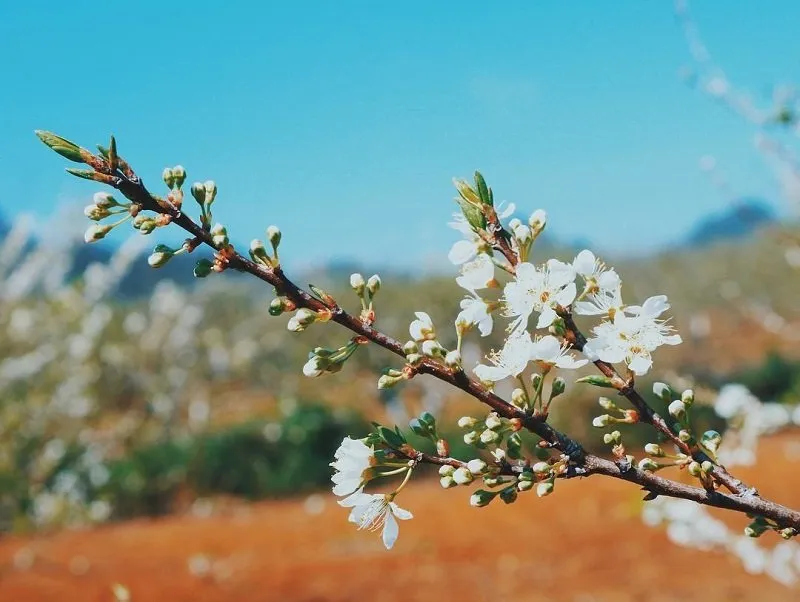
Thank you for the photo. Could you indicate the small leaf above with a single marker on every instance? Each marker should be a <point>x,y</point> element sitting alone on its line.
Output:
<point>598,381</point>
<point>473,215</point>
<point>202,268</point>
<point>483,190</point>
<point>390,437</point>
<point>62,146</point>
<point>418,428</point>
<point>428,419</point>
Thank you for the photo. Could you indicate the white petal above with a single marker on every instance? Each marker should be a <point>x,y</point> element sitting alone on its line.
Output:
<point>390,531</point>
<point>462,251</point>
<point>346,487</point>
<point>640,365</point>
<point>490,373</point>
<point>401,513</point>
<point>546,318</point>
<point>584,263</point>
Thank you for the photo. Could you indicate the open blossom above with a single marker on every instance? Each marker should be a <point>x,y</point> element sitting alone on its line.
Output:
<point>548,352</point>
<point>605,303</point>
<point>476,274</point>
<point>475,312</point>
<point>353,462</point>
<point>632,339</point>
<point>465,250</point>
<point>374,511</point>
<point>422,328</point>
<point>597,277</point>
<point>511,360</point>
<point>540,290</point>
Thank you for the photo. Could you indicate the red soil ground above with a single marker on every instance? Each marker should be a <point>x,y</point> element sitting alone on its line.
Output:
<point>585,543</point>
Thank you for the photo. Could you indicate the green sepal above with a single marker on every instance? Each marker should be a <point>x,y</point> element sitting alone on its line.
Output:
<point>62,146</point>
<point>598,381</point>
<point>393,439</point>
<point>484,192</point>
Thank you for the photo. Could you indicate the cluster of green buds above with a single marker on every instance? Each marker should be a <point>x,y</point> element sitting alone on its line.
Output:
<point>174,177</point>
<point>657,459</point>
<point>104,205</point>
<point>540,477</point>
<point>761,525</point>
<point>204,193</point>
<point>623,416</point>
<point>678,409</point>
<point>322,360</point>
<point>492,431</point>
<point>259,253</point>
<point>614,439</point>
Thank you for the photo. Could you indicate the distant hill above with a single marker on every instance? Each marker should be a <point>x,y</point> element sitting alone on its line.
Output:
<point>741,219</point>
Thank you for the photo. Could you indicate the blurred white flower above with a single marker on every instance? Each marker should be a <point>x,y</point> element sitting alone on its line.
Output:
<point>476,274</point>
<point>475,312</point>
<point>548,352</point>
<point>353,460</point>
<point>422,328</point>
<point>511,360</point>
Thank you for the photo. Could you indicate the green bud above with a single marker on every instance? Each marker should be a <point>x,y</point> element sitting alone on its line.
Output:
<point>649,465</point>
<point>558,387</point>
<point>490,436</point>
<point>358,284</point>
<point>493,421</point>
<point>467,422</point>
<point>536,380</point>
<point>203,268</point>
<point>509,495</point>
<point>95,213</point>
<point>545,488</point>
<point>198,191</point>
<point>524,485</point>
<point>277,306</point>
<point>274,236</point>
<point>471,438</point>
<point>653,449</point>
<point>598,381</point>
<point>707,466</point>
<point>62,146</point>
<point>160,256</point>
<point>477,466</point>
<point>410,346</point>
<point>687,397</point>
<point>168,177</point>
<point>373,285</point>
<point>179,174</point>
<point>663,391</point>
<point>606,404</point>
<point>414,359</point>
<point>446,470</point>
<point>519,399</point>
<point>219,236</point>
<point>147,226</point>
<point>694,469</point>
<point>387,381</point>
<point>104,200</point>
<point>684,435</point>
<point>677,410</point>
<point>481,498</point>
<point>613,438</point>
<point>601,421</point>
<point>453,359</point>
<point>541,468</point>
<point>447,482</point>
<point>258,252</point>
<point>96,232</point>
<point>211,192</point>
<point>514,446</point>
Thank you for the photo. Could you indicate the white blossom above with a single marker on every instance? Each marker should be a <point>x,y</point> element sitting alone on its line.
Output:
<point>375,511</point>
<point>465,250</point>
<point>476,274</point>
<point>511,360</point>
<point>539,290</point>
<point>353,460</point>
<point>598,278</point>
<point>475,312</point>
<point>549,352</point>
<point>422,328</point>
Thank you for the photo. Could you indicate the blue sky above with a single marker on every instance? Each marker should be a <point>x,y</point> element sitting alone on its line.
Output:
<point>344,122</point>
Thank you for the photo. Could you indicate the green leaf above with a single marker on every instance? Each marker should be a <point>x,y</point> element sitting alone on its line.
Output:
<point>391,438</point>
<point>62,146</point>
<point>484,193</point>
<point>473,215</point>
<point>428,420</point>
<point>418,428</point>
<point>598,381</point>
<point>202,268</point>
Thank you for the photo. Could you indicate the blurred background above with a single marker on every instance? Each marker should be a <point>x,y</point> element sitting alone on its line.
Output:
<point>157,438</point>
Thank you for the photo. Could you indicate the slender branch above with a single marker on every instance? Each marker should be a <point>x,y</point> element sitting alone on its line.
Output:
<point>125,180</point>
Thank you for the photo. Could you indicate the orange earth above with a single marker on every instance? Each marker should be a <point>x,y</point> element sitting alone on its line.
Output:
<point>585,543</point>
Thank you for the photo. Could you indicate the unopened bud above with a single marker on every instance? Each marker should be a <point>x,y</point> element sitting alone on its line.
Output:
<point>95,213</point>
<point>447,482</point>
<point>315,366</point>
<point>525,485</point>
<point>601,421</point>
<point>274,236</point>
<point>509,495</point>
<point>519,398</point>
<point>277,306</point>
<point>453,359</point>
<point>258,252</point>
<point>387,381</point>
<point>433,348</point>
<point>537,220</point>
<point>684,435</point>
<point>471,438</point>
<point>544,488</point>
<point>489,436</point>
<point>373,285</point>
<point>694,469</point>
<point>477,466</point>
<point>442,448</point>
<point>104,200</point>
<point>523,234</point>
<point>653,449</point>
<point>493,421</point>
<point>558,387</point>
<point>462,476</point>
<point>219,236</point>
<point>211,191</point>
<point>467,422</point>
<point>687,397</point>
<point>606,404</point>
<point>414,359</point>
<point>613,438</point>
<point>663,391</point>
<point>446,470</point>
<point>677,410</point>
<point>179,174</point>
<point>707,467</point>
<point>203,268</point>
<point>481,498</point>
<point>648,464</point>
<point>536,380</point>
<point>541,468</point>
<point>96,232</point>
<point>711,440</point>
<point>198,191</point>
<point>358,284</point>
<point>160,256</point>
<point>168,177</point>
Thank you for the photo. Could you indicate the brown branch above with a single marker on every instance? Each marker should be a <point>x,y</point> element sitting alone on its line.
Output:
<point>133,189</point>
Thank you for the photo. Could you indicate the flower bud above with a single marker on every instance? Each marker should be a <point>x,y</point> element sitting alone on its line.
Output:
<point>694,469</point>
<point>453,359</point>
<point>493,421</point>
<point>477,466</point>
<point>601,421</point>
<point>499,454</point>
<point>258,252</point>
<point>211,191</point>
<point>160,256</point>
<point>104,200</point>
<point>274,236</point>
<point>677,410</point>
<point>147,226</point>
<point>509,495</point>
<point>387,381</point>
<point>198,191</point>
<point>536,379</point>
<point>519,399</point>
<point>179,174</point>
<point>649,465</point>
<point>523,234</point>
<point>462,476</point>
<point>442,448</point>
<point>653,449</point>
<point>711,440</point>
<point>446,470</point>
<point>447,482</point>
<point>95,213</point>
<point>606,404</point>
<point>219,236</point>
<point>467,422</point>
<point>96,232</point>
<point>663,391</point>
<point>707,467</point>
<point>168,177</point>
<point>687,397</point>
<point>558,387</point>
<point>432,348</point>
<point>358,284</point>
<point>541,468</point>
<point>481,498</point>
<point>524,485</point>
<point>684,435</point>
<point>203,268</point>
<point>414,359</point>
<point>471,438</point>
<point>373,285</point>
<point>489,436</point>
<point>544,488</point>
<point>277,306</point>
<point>614,438</point>
<point>537,221</point>
<point>315,366</point>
